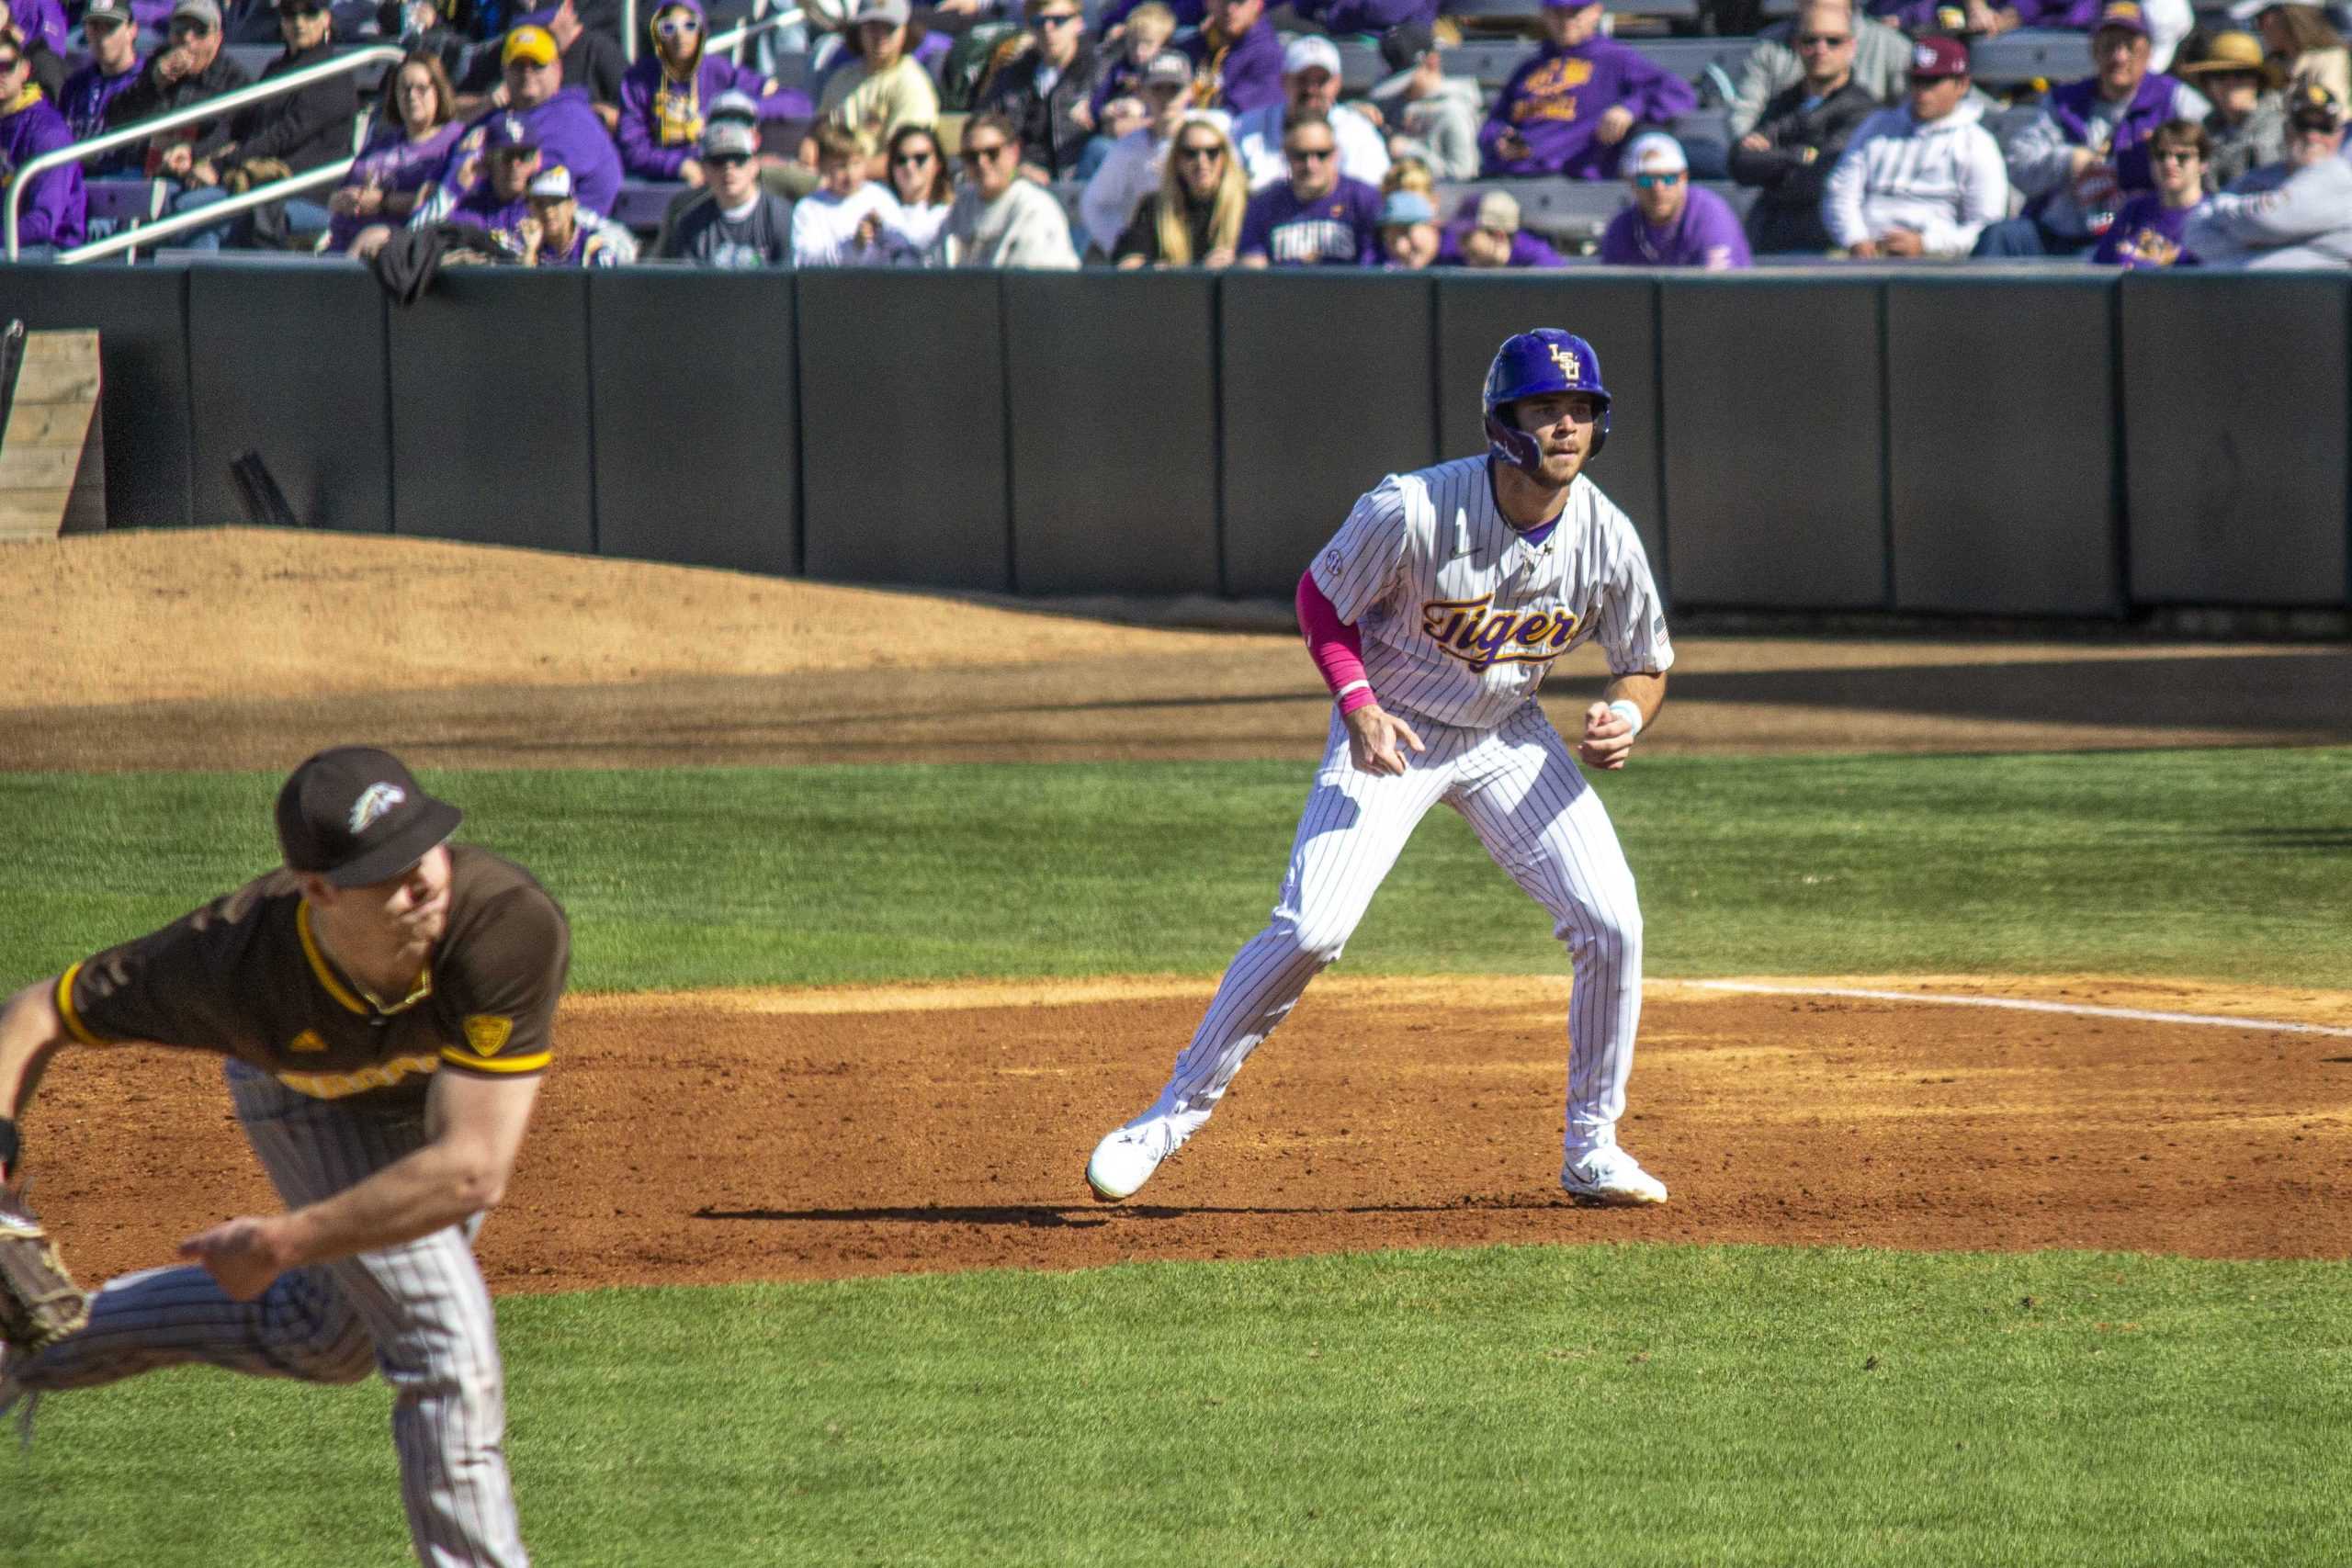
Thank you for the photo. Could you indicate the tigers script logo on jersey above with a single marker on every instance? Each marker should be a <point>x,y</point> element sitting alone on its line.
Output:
<point>1466,630</point>
<point>376,800</point>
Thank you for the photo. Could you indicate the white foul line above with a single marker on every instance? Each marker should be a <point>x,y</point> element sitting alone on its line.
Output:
<point>2021,1005</point>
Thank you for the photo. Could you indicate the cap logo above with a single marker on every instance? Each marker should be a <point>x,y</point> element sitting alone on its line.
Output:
<point>1923,58</point>
<point>373,802</point>
<point>1571,368</point>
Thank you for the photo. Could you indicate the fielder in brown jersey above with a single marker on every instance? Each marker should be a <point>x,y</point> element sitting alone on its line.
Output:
<point>385,1002</point>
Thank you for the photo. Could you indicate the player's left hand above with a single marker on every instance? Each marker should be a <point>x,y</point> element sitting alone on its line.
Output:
<point>1374,736</point>
<point>1607,739</point>
<point>244,1254</point>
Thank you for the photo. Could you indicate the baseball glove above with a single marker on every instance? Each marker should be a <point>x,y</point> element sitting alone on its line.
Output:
<point>38,1299</point>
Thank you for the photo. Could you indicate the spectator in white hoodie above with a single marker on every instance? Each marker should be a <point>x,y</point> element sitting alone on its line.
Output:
<point>999,218</point>
<point>2294,213</point>
<point>1924,179</point>
<point>1310,85</point>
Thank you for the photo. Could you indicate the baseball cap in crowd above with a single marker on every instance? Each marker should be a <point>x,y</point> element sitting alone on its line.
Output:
<point>1407,207</point>
<point>1937,58</point>
<point>550,184</point>
<point>1402,46</point>
<point>2121,16</point>
<point>733,105</point>
<point>1310,52</point>
<point>1169,65</point>
<point>2232,52</point>
<point>2313,108</point>
<point>107,11</point>
<point>895,12</point>
<point>203,11</point>
<point>355,814</point>
<point>534,44</point>
<point>1498,211</point>
<point>729,138</point>
<point>1654,153</point>
<point>509,130</point>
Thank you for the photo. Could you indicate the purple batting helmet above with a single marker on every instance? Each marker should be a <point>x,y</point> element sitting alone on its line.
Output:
<point>1528,366</point>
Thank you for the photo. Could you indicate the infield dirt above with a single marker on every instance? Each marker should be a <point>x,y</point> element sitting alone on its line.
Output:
<point>700,1138</point>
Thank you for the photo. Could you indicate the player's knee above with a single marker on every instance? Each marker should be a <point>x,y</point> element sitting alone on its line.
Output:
<point>1610,936</point>
<point>1315,940</point>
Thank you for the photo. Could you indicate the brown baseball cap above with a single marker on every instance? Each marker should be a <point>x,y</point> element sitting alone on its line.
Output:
<point>356,815</point>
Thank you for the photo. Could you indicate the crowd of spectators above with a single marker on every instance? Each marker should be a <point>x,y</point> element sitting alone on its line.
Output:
<point>1058,133</point>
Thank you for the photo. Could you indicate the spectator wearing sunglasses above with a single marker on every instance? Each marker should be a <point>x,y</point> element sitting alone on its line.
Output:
<point>37,27</point>
<point>1310,85</point>
<point>2149,231</point>
<point>114,64</point>
<point>1132,170</point>
<point>50,213</point>
<point>1671,222</point>
<point>1569,111</point>
<point>1194,219</point>
<point>303,130</point>
<point>666,95</point>
<point>1880,59</point>
<point>1803,133</point>
<point>1921,180</point>
<point>735,224</point>
<point>1044,93</point>
<point>410,143</point>
<point>189,69</point>
<point>1316,217</point>
<point>561,119</point>
<point>2294,213</point>
<point>999,219</point>
<point>924,182</point>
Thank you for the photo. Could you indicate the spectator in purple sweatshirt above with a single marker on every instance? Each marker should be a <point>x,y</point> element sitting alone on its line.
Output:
<point>1316,217</point>
<point>113,65</point>
<point>664,94</point>
<point>2148,231</point>
<point>1671,222</point>
<point>50,213</point>
<point>1569,111</point>
<point>1236,58</point>
<point>1144,33</point>
<point>2087,153</point>
<point>562,120</point>
<point>414,133</point>
<point>1487,232</point>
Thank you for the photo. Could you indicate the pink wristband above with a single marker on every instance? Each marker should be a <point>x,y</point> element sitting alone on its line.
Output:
<point>1336,646</point>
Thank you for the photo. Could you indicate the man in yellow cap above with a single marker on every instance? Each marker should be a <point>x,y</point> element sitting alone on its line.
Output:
<point>2248,125</point>
<point>562,120</point>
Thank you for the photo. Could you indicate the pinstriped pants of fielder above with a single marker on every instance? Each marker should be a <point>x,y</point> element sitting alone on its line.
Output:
<point>1521,791</point>
<point>419,1311</point>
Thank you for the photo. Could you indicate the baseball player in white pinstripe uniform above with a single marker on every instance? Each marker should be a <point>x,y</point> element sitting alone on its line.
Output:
<point>1434,614</point>
<point>385,1003</point>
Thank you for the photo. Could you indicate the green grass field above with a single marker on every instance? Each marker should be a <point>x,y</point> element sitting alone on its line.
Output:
<point>1572,1404</point>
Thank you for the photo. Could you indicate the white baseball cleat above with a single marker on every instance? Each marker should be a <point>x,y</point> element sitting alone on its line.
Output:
<point>1610,1175</point>
<point>1124,1161</point>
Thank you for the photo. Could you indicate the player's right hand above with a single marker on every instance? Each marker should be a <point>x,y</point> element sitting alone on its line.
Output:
<point>1372,736</point>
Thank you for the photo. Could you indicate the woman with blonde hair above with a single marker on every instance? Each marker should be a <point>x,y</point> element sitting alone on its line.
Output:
<point>1409,173</point>
<point>2299,39</point>
<point>1194,220</point>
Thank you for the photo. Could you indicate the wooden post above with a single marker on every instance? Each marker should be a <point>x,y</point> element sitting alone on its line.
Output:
<point>52,455</point>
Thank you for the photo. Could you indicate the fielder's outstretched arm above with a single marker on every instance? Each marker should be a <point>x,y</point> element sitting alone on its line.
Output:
<point>30,1030</point>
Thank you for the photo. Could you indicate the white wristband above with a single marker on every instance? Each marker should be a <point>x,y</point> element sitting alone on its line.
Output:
<point>1353,686</point>
<point>1631,710</point>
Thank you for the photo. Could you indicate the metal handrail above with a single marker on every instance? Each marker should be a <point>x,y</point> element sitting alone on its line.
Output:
<point>148,235</point>
<point>211,108</point>
<point>735,37</point>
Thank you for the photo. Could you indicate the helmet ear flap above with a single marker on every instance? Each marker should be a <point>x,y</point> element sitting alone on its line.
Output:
<point>1512,445</point>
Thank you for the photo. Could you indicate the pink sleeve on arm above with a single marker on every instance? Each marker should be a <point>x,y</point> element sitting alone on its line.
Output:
<point>1336,646</point>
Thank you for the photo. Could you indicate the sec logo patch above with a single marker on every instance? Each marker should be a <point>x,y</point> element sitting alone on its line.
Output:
<point>487,1032</point>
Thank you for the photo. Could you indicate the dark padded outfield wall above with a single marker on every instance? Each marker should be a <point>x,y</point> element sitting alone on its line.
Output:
<point>697,415</point>
<point>902,428</point>
<point>289,362</point>
<point>1110,385</point>
<point>141,315</point>
<point>1774,479</point>
<point>1614,311</point>
<point>2234,415</point>
<point>2001,446</point>
<point>1326,388</point>
<point>489,400</point>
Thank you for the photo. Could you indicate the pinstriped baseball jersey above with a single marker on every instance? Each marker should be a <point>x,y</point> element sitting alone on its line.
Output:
<point>1462,617</point>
